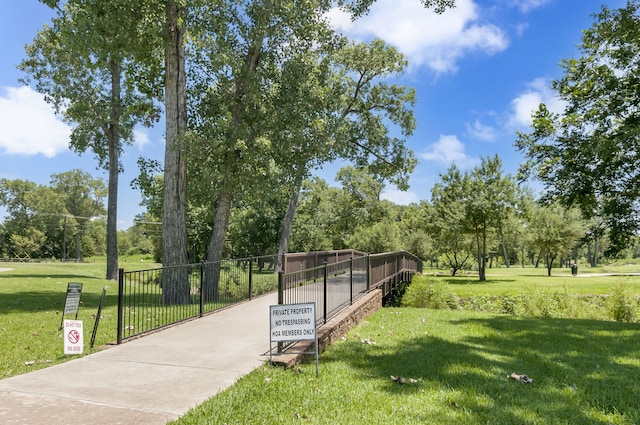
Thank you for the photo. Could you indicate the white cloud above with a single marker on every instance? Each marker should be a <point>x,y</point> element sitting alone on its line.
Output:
<point>449,150</point>
<point>399,197</point>
<point>29,125</point>
<point>538,91</point>
<point>481,132</point>
<point>140,138</point>
<point>528,5</point>
<point>437,41</point>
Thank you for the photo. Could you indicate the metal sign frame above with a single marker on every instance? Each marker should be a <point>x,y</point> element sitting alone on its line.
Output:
<point>293,323</point>
<point>72,300</point>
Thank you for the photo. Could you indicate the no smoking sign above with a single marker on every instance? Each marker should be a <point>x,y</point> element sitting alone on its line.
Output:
<point>73,341</point>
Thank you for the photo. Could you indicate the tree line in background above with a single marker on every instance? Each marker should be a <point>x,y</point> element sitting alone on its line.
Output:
<point>476,220</point>
<point>64,220</point>
<point>257,94</point>
<point>252,91</point>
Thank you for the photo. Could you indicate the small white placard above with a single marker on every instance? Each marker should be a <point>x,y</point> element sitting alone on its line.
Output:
<point>293,322</point>
<point>73,337</point>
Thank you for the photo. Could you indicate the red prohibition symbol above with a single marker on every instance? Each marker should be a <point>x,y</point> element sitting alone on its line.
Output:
<point>74,336</point>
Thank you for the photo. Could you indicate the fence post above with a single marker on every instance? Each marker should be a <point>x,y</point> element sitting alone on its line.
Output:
<point>201,288</point>
<point>280,287</point>
<point>351,280</point>
<point>250,277</point>
<point>324,300</point>
<point>368,267</point>
<point>120,304</point>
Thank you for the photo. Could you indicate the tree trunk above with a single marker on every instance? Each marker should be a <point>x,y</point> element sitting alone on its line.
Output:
<point>225,195</point>
<point>78,250</point>
<point>481,249</point>
<point>64,240</point>
<point>216,245</point>
<point>504,249</point>
<point>285,233</point>
<point>550,260</point>
<point>483,270</point>
<point>113,136</point>
<point>175,282</point>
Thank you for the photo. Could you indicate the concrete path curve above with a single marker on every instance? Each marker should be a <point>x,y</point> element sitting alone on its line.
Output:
<point>152,380</point>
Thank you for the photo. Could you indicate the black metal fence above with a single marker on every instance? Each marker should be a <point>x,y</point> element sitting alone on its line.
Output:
<point>337,285</point>
<point>146,303</point>
<point>152,299</point>
<point>298,261</point>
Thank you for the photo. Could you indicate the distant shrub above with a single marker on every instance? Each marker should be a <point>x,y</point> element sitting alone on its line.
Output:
<point>430,293</point>
<point>508,305</point>
<point>622,306</point>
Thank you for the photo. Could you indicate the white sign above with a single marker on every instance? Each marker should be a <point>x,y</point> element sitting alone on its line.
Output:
<point>293,322</point>
<point>73,337</point>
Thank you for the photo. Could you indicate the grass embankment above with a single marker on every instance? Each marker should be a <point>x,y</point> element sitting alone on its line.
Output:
<point>32,297</point>
<point>449,366</point>
<point>407,366</point>
<point>412,365</point>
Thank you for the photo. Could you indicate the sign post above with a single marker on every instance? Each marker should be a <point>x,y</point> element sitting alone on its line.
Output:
<point>72,301</point>
<point>73,337</point>
<point>291,323</point>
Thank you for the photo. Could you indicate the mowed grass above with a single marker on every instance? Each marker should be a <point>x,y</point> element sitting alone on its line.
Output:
<point>449,366</point>
<point>517,280</point>
<point>409,366</point>
<point>32,297</point>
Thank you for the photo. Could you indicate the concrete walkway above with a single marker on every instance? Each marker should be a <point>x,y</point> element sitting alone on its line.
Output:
<point>151,380</point>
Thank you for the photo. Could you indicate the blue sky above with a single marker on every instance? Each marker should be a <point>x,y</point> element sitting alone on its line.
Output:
<point>478,70</point>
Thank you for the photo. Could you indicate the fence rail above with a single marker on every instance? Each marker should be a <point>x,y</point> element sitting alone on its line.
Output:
<point>145,303</point>
<point>152,299</point>
<point>337,285</point>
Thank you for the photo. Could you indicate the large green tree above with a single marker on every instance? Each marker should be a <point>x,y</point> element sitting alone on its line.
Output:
<point>174,212</point>
<point>349,114</point>
<point>555,231</point>
<point>33,221</point>
<point>84,202</point>
<point>475,204</point>
<point>447,220</point>
<point>39,217</point>
<point>84,64</point>
<point>247,27</point>
<point>589,154</point>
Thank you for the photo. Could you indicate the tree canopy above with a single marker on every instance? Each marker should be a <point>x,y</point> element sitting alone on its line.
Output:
<point>589,154</point>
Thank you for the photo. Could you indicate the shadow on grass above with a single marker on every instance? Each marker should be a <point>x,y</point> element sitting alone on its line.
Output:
<point>581,369</point>
<point>33,301</point>
<point>464,280</point>
<point>71,277</point>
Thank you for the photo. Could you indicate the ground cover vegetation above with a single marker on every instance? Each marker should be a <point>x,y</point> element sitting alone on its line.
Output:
<point>598,297</point>
<point>414,365</point>
<point>32,297</point>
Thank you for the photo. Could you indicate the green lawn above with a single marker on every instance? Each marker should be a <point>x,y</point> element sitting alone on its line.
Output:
<point>516,280</point>
<point>449,366</point>
<point>454,366</point>
<point>32,297</point>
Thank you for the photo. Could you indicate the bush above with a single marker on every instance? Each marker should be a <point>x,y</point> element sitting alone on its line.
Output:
<point>622,306</point>
<point>430,293</point>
